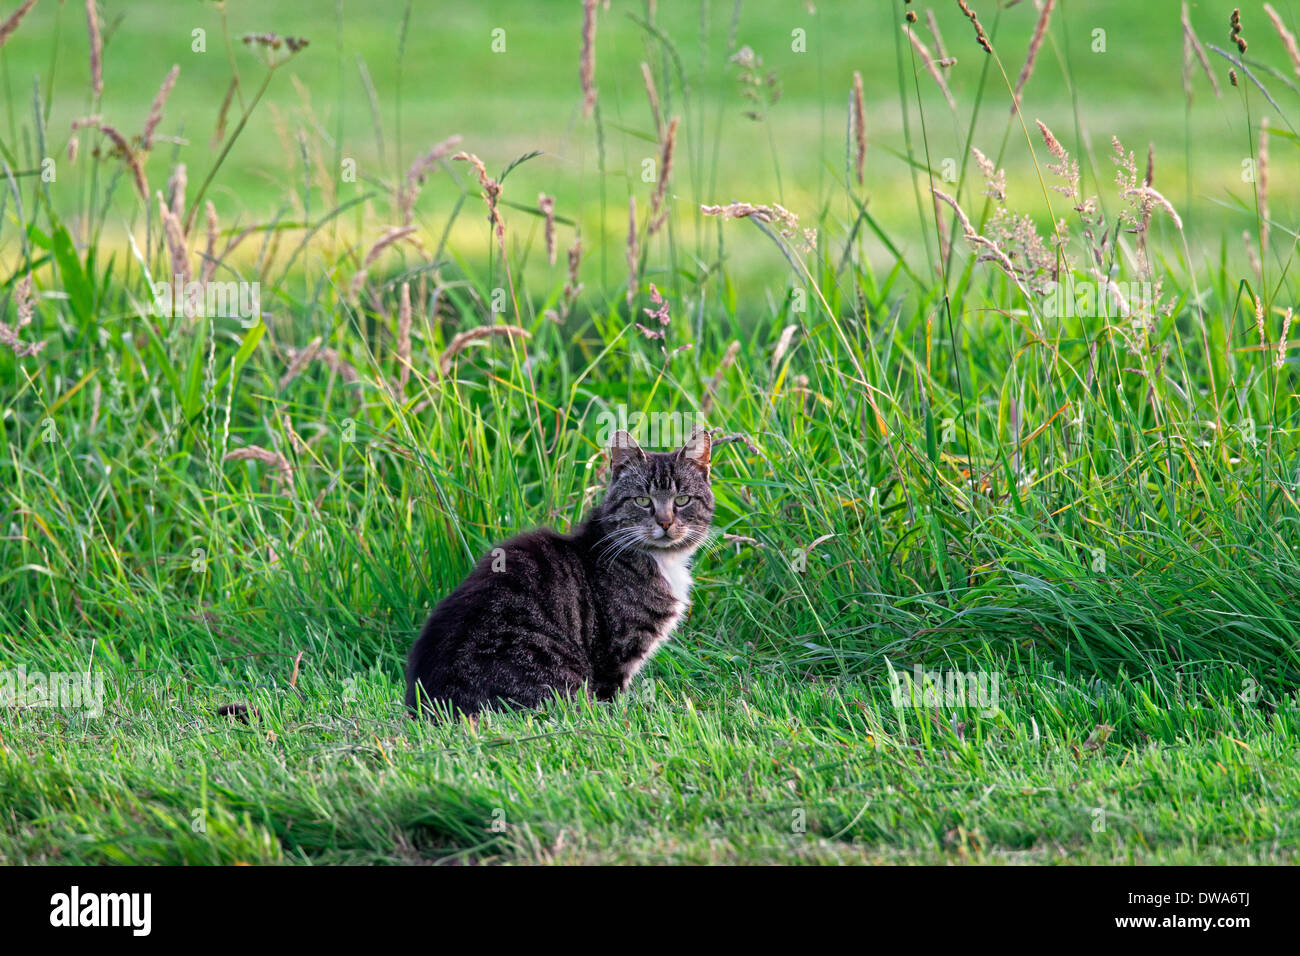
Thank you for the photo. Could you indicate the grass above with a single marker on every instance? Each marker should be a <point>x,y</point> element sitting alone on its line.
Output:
<point>685,771</point>
<point>935,471</point>
<point>528,98</point>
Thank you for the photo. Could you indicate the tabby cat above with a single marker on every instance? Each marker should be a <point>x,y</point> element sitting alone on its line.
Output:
<point>548,613</point>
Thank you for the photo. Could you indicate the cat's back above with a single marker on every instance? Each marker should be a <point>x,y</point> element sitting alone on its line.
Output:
<point>527,571</point>
<point>522,609</point>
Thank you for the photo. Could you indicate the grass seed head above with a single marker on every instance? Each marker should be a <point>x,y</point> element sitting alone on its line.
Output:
<point>156,110</point>
<point>210,250</point>
<point>980,36</point>
<point>940,51</point>
<point>658,199</point>
<point>587,61</point>
<point>404,338</point>
<point>647,77</point>
<point>546,205</point>
<point>1281,342</point>
<point>10,25</point>
<point>859,126</point>
<point>1261,184</point>
<point>1026,71</point>
<point>931,65</point>
<point>1287,37</point>
<point>633,251</point>
<point>417,173</point>
<point>1191,45</point>
<point>1234,32</point>
<point>491,194</point>
<point>96,49</point>
<point>25,303</point>
<point>174,235</point>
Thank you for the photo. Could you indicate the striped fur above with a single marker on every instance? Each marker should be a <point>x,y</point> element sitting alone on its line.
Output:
<point>548,613</point>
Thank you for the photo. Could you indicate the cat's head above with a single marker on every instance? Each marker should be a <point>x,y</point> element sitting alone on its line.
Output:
<point>659,500</point>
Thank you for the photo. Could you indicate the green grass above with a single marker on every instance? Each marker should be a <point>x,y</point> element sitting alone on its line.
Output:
<point>686,770</point>
<point>527,97</point>
<point>1124,563</point>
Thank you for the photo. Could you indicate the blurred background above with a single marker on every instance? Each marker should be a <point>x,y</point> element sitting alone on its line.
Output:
<point>384,80</point>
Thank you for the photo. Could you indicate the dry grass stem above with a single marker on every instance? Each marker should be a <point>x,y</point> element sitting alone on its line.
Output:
<point>587,64</point>
<point>122,149</point>
<point>1261,181</point>
<point>210,250</point>
<point>992,251</point>
<point>96,49</point>
<point>653,96</point>
<point>491,194</point>
<point>939,50</point>
<point>572,287</point>
<point>1281,343</point>
<point>26,305</point>
<point>783,345</point>
<point>396,234</point>
<point>1193,45</point>
<point>404,339</point>
<point>156,110</point>
<point>298,360</point>
<point>283,470</point>
<point>633,251</point>
<point>1149,194</point>
<point>931,66</point>
<point>1287,37</point>
<point>658,199</point>
<point>859,127</point>
<point>1026,71</point>
<point>176,186</point>
<point>980,36</point>
<point>711,390</point>
<point>546,204</point>
<point>1255,265</point>
<point>174,236</point>
<point>418,173</point>
<point>462,339</point>
<point>9,26</point>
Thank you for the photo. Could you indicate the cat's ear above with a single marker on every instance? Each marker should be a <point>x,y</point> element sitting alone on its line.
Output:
<point>697,449</point>
<point>623,450</point>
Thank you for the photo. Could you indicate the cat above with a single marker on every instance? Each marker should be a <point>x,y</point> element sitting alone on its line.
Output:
<point>548,614</point>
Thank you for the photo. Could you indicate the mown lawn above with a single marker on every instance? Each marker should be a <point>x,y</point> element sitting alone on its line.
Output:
<point>685,771</point>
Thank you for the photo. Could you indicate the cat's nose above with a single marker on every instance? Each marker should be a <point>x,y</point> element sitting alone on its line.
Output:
<point>665,523</point>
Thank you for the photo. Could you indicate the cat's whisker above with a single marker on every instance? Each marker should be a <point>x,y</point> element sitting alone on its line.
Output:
<point>617,533</point>
<point>711,546</point>
<point>623,539</point>
<point>620,533</point>
<point>706,540</point>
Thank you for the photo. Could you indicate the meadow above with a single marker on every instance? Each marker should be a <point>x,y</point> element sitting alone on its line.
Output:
<point>991,320</point>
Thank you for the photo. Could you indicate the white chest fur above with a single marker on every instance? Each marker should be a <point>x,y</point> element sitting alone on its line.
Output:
<point>675,568</point>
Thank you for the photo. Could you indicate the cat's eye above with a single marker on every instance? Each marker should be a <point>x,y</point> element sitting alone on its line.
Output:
<point>643,502</point>
<point>682,501</point>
